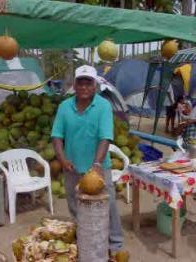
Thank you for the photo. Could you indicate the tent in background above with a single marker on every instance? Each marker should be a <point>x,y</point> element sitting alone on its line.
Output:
<point>136,78</point>
<point>167,73</point>
<point>129,78</point>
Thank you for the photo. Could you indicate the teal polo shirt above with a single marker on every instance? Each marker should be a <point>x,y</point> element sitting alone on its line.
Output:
<point>82,132</point>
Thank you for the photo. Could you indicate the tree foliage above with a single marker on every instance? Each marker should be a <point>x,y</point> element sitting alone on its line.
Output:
<point>57,62</point>
<point>155,5</point>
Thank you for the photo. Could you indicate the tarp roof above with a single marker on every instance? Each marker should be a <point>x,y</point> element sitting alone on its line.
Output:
<point>52,24</point>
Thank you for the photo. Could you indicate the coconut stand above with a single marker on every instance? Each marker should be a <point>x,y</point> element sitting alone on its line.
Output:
<point>52,29</point>
<point>92,218</point>
<point>93,227</point>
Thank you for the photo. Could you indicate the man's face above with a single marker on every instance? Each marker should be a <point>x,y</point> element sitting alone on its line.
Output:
<point>85,88</point>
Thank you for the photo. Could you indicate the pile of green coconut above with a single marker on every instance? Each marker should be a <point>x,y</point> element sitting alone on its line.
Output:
<point>26,121</point>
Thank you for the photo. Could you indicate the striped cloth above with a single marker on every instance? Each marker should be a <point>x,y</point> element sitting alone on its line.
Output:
<point>189,133</point>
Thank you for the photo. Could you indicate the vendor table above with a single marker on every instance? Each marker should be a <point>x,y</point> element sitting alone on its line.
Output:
<point>172,187</point>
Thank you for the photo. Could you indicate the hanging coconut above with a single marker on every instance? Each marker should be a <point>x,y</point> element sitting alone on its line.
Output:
<point>91,183</point>
<point>169,48</point>
<point>108,51</point>
<point>8,47</point>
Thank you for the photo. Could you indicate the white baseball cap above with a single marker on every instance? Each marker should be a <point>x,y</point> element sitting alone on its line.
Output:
<point>86,71</point>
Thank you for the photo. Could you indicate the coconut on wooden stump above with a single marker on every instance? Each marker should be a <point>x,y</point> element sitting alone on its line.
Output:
<point>91,183</point>
<point>92,219</point>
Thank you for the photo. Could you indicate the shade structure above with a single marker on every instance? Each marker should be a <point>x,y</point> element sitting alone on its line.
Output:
<point>53,24</point>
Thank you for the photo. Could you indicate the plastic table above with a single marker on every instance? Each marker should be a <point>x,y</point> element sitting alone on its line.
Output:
<point>173,188</point>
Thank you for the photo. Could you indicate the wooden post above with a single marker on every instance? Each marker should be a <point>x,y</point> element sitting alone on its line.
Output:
<point>184,202</point>
<point>135,208</point>
<point>176,234</point>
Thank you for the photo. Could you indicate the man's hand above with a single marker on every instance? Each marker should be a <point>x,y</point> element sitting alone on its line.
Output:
<point>67,165</point>
<point>97,168</point>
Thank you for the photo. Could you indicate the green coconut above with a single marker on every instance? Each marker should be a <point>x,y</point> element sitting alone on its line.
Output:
<point>23,94</point>
<point>4,145</point>
<point>126,151</point>
<point>56,187</point>
<point>33,136</point>
<point>48,108</point>
<point>4,134</point>
<point>117,164</point>
<point>35,100</point>
<point>48,153</point>
<point>107,50</point>
<point>16,132</point>
<point>9,110</point>
<point>43,121</point>
<point>13,100</point>
<point>121,140</point>
<point>18,117</point>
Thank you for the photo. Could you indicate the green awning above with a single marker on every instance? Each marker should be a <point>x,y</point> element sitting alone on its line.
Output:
<point>52,24</point>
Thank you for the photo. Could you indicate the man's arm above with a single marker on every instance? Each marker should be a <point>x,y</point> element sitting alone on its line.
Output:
<point>101,151</point>
<point>100,156</point>
<point>105,136</point>
<point>58,147</point>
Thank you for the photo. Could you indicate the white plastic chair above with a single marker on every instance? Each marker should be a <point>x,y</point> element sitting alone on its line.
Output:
<point>116,173</point>
<point>18,177</point>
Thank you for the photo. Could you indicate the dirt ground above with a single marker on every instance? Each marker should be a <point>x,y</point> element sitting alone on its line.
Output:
<point>148,246</point>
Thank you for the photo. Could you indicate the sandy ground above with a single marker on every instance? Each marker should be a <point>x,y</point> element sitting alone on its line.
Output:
<point>148,246</point>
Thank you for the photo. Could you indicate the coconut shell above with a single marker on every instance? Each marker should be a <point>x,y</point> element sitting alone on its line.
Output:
<point>91,183</point>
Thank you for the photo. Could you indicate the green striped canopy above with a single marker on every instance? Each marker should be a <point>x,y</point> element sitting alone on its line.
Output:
<point>52,24</point>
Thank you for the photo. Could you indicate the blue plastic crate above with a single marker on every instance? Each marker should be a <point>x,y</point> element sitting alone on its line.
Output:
<point>150,153</point>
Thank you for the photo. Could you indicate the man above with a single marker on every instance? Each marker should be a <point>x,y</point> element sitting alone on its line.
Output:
<point>82,131</point>
<point>170,105</point>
